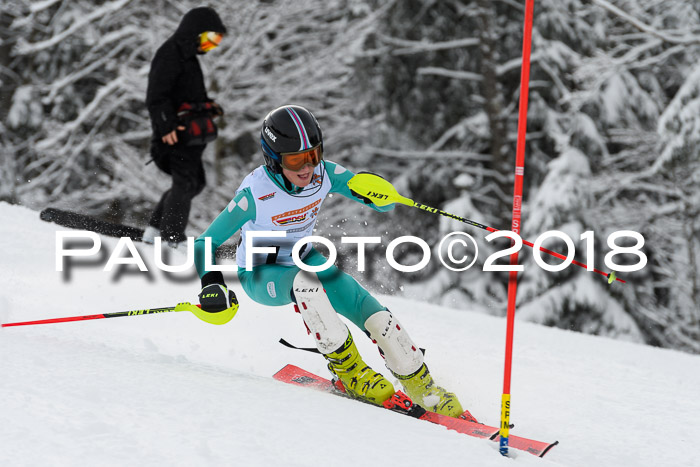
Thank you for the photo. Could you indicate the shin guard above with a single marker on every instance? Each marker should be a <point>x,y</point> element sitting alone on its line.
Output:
<point>402,356</point>
<point>323,322</point>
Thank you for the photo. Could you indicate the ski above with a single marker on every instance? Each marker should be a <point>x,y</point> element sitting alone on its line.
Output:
<point>400,403</point>
<point>75,220</point>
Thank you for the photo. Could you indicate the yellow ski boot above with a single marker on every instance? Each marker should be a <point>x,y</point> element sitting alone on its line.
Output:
<point>359,380</point>
<point>422,390</point>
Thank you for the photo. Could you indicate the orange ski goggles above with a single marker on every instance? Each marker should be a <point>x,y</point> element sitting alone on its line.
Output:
<point>295,161</point>
<point>209,40</point>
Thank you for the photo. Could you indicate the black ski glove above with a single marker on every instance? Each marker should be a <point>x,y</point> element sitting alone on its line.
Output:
<point>216,109</point>
<point>215,296</point>
<point>364,199</point>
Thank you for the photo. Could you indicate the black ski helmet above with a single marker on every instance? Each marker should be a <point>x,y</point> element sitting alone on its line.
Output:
<point>290,128</point>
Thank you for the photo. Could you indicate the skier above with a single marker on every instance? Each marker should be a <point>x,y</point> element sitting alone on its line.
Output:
<point>284,195</point>
<point>181,116</point>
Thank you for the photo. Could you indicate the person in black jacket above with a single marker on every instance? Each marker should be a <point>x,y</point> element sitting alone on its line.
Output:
<point>181,116</point>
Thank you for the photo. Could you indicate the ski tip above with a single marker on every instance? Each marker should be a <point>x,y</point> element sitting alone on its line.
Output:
<point>48,214</point>
<point>546,450</point>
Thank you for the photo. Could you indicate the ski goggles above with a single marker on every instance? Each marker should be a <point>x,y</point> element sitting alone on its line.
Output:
<point>209,40</point>
<point>295,161</point>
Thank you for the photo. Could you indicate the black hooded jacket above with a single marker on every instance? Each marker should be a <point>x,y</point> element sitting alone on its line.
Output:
<point>175,75</point>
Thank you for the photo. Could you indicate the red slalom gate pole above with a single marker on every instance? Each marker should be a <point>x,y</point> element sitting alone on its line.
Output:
<point>516,223</point>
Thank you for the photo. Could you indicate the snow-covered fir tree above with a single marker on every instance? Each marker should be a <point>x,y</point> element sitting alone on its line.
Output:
<point>602,76</point>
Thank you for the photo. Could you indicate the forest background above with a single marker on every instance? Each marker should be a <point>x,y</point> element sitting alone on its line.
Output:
<point>424,92</point>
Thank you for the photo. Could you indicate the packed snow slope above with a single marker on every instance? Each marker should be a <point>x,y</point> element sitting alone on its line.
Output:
<point>168,389</point>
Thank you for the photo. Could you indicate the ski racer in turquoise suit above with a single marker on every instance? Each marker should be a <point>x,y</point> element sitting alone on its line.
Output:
<point>284,196</point>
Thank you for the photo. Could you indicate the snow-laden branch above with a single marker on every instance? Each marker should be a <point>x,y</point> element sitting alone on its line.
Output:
<point>407,47</point>
<point>501,70</point>
<point>57,86</point>
<point>670,38</point>
<point>455,74</point>
<point>86,114</point>
<point>25,48</point>
<point>404,154</point>
<point>36,7</point>
<point>656,59</point>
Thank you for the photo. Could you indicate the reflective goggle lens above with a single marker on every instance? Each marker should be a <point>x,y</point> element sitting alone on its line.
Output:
<point>295,161</point>
<point>209,40</point>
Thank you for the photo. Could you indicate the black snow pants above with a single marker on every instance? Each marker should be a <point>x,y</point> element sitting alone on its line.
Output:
<point>184,164</point>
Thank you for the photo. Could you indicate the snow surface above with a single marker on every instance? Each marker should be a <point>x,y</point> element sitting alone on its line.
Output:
<point>169,389</point>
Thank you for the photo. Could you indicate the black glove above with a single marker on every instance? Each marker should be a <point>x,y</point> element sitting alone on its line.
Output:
<point>364,199</point>
<point>216,109</point>
<point>215,296</point>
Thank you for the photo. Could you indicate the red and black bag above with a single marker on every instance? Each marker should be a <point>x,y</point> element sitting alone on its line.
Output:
<point>198,121</point>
